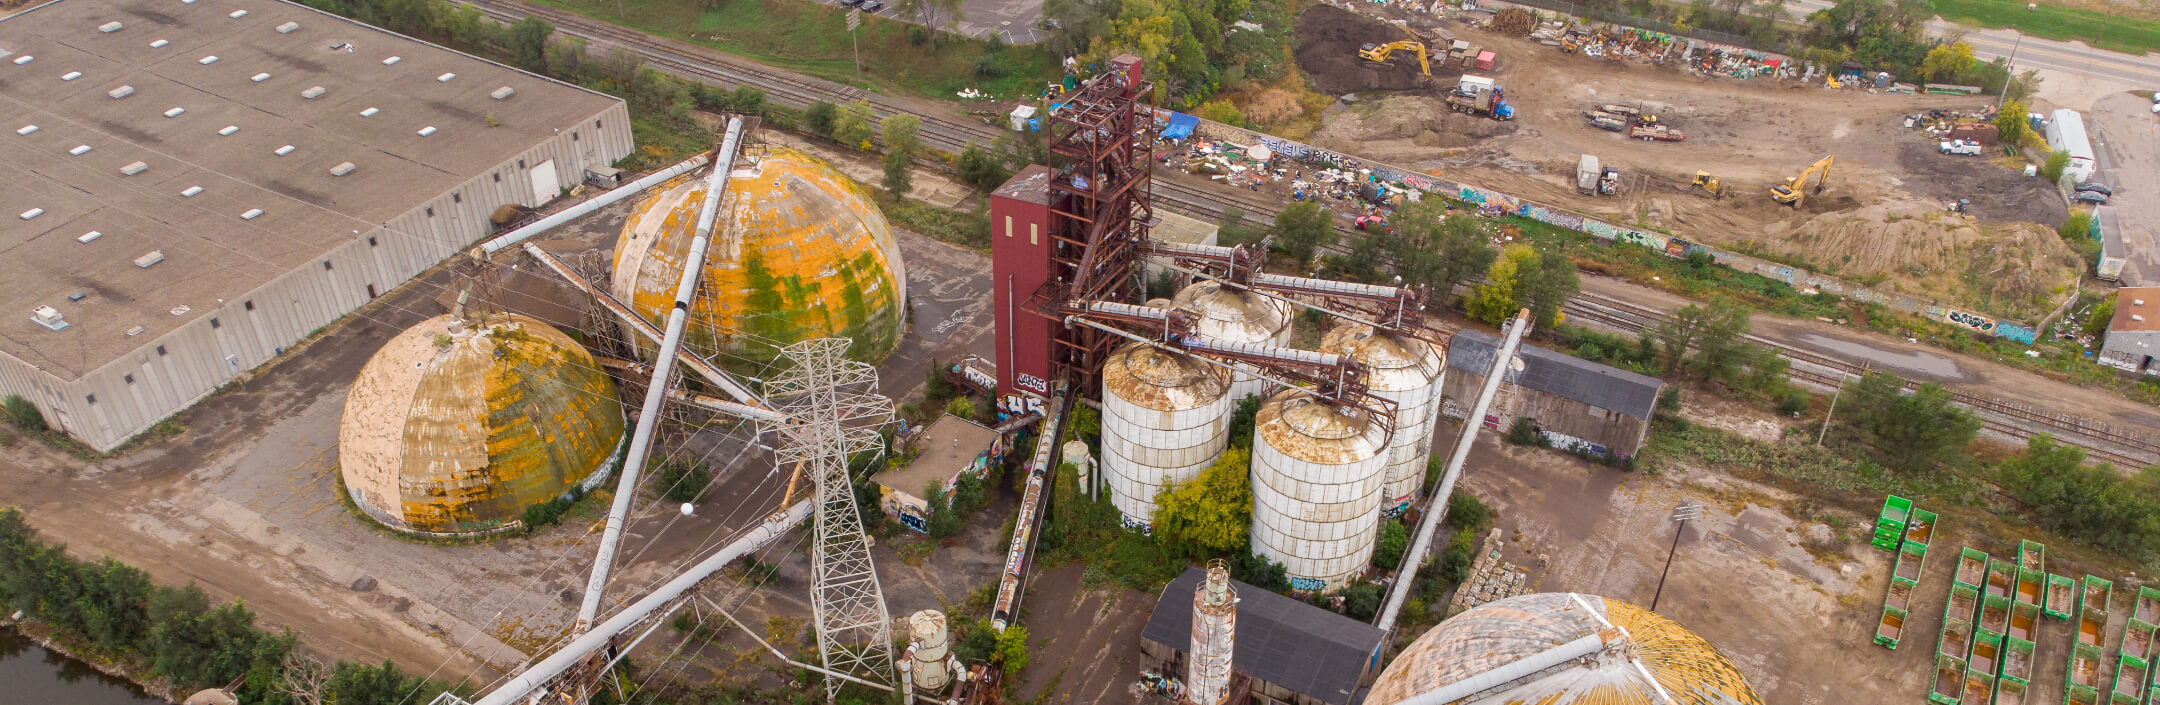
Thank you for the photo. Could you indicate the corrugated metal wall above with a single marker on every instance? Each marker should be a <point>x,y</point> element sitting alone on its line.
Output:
<point>168,373</point>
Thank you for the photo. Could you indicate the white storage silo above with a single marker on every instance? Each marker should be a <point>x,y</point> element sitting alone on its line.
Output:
<point>1318,471</point>
<point>1166,417</point>
<point>1233,315</point>
<point>1407,371</point>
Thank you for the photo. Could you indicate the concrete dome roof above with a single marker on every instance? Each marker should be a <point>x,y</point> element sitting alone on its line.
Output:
<point>1164,381</point>
<point>458,427</point>
<point>1643,654</point>
<point>798,252</point>
<point>1313,431</point>
<point>1235,315</point>
<point>1393,363</point>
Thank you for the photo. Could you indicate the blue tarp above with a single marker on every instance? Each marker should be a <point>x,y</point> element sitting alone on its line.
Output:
<point>1181,126</point>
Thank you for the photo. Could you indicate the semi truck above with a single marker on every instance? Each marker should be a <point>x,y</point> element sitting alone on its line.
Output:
<point>1478,95</point>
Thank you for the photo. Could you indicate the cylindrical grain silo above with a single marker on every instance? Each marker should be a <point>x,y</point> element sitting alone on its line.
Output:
<point>1318,471</point>
<point>1214,637</point>
<point>926,630</point>
<point>1407,371</point>
<point>1234,315</point>
<point>1166,417</point>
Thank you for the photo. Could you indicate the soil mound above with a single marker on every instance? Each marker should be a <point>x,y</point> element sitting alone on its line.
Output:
<point>2011,270</point>
<point>1999,194</point>
<point>1328,39</point>
<point>1422,121</point>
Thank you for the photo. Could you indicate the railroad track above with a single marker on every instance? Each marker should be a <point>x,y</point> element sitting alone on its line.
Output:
<point>2101,441</point>
<point>711,67</point>
<point>689,61</point>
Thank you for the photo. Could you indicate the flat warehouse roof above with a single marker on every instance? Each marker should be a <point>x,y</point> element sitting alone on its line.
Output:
<point>181,94</point>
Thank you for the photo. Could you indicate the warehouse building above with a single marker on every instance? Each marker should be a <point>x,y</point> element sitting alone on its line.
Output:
<point>197,184</point>
<point>1291,651</point>
<point>2133,336</point>
<point>950,447</point>
<point>1575,402</point>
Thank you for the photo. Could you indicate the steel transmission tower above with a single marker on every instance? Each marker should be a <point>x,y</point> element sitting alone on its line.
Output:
<point>834,412</point>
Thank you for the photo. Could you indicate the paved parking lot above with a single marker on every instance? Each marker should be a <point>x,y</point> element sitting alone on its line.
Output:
<point>2127,142</point>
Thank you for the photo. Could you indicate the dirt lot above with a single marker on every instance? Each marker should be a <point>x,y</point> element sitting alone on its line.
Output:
<point>1753,134</point>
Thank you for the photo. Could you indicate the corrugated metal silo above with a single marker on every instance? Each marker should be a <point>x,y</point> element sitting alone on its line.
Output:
<point>1407,371</point>
<point>1318,472</point>
<point>1234,315</point>
<point>1166,417</point>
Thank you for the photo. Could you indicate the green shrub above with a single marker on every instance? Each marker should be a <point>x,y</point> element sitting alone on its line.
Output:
<point>1794,402</point>
<point>1362,602</point>
<point>1461,552</point>
<point>1524,432</point>
<point>1394,540</point>
<point>21,414</point>
<point>2077,227</point>
<point>1465,511</point>
<point>681,480</point>
<point>2053,169</point>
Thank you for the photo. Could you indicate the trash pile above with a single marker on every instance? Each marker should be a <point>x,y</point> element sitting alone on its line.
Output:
<point>1618,43</point>
<point>1976,125</point>
<point>1514,22</point>
<point>1737,63</point>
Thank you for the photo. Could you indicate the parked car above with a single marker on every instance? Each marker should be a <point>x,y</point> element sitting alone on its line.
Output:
<point>2092,197</point>
<point>2096,187</point>
<point>851,3</point>
<point>873,6</point>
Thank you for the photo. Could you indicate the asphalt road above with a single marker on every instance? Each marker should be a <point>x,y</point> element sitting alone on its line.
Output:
<point>2031,53</point>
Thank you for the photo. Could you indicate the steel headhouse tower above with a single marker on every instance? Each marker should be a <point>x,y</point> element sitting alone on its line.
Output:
<point>833,412</point>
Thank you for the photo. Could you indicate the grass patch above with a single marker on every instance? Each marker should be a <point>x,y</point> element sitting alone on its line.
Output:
<point>1832,467</point>
<point>2134,35</point>
<point>812,38</point>
<point>964,228</point>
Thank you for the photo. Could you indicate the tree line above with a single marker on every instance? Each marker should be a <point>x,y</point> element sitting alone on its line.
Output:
<point>109,611</point>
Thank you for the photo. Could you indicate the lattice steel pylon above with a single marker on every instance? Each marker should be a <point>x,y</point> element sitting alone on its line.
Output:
<point>834,412</point>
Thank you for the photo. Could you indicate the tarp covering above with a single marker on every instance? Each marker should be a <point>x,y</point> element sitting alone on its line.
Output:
<point>1181,126</point>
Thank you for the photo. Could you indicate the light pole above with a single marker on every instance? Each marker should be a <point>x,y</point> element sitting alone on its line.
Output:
<point>1681,514</point>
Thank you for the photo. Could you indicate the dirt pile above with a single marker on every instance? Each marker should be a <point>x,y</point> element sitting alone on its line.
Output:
<point>1999,193</point>
<point>2014,270</point>
<point>1406,127</point>
<point>1328,40</point>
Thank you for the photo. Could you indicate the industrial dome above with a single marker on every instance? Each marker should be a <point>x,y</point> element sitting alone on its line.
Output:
<point>798,252</point>
<point>458,427</point>
<point>1236,315</point>
<point>1617,653</point>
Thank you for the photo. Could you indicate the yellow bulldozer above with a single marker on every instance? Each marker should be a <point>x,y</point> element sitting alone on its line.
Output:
<point>1795,190</point>
<point>1380,53</point>
<point>1709,184</point>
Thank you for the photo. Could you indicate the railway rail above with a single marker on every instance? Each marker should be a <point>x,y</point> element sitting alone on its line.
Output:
<point>2129,448</point>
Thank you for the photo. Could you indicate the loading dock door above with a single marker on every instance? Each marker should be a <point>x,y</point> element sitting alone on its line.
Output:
<point>546,186</point>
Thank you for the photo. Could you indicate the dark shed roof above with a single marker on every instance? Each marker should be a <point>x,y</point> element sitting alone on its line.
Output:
<point>1279,640</point>
<point>1565,375</point>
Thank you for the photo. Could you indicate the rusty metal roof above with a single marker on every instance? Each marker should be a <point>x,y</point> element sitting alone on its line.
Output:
<point>1653,654</point>
<point>1289,643</point>
<point>1164,381</point>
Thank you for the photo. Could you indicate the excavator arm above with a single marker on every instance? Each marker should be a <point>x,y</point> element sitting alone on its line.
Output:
<point>1795,190</point>
<point>1381,53</point>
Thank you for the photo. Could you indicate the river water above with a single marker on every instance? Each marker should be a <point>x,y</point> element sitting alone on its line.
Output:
<point>32,675</point>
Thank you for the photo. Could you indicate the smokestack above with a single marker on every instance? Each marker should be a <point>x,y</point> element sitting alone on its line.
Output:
<point>1214,637</point>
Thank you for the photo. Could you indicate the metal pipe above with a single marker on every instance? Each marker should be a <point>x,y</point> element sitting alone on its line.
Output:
<point>1512,671</point>
<point>517,687</point>
<point>1254,288</point>
<point>645,328</point>
<point>505,240</point>
<point>1437,508</point>
<point>663,365</point>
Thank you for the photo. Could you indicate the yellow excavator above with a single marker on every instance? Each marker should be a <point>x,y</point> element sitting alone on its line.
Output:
<point>1795,189</point>
<point>1709,184</point>
<point>1379,53</point>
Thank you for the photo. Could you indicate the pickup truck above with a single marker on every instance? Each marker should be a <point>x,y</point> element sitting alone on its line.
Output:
<point>1965,147</point>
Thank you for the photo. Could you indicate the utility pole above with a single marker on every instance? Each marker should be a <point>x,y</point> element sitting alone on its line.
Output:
<point>854,20</point>
<point>2009,65</point>
<point>1681,514</point>
<point>1832,411</point>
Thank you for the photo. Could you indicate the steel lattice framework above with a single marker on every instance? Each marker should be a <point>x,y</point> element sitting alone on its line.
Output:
<point>834,412</point>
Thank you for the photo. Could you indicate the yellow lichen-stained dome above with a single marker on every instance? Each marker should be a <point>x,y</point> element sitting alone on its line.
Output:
<point>459,426</point>
<point>798,251</point>
<point>1638,654</point>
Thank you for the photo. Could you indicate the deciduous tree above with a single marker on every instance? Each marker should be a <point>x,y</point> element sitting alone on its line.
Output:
<point>1214,509</point>
<point>1301,229</point>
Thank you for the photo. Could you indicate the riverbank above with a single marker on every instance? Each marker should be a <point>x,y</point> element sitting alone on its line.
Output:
<point>38,670</point>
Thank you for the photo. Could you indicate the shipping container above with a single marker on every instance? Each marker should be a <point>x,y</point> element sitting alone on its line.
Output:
<point>1912,557</point>
<point>2029,584</point>
<point>2032,555</point>
<point>1890,523</point>
<point>2024,620</point>
<point>1986,654</point>
<point>1994,614</point>
<point>1979,688</point>
<point>1920,528</point>
<point>2084,670</point>
<point>2008,692</point>
<point>2147,609</point>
